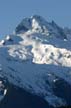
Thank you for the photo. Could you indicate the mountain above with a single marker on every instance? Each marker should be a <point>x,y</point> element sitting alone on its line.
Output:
<point>37,59</point>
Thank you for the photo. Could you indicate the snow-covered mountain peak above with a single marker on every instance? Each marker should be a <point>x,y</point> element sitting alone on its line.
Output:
<point>34,22</point>
<point>38,24</point>
<point>37,57</point>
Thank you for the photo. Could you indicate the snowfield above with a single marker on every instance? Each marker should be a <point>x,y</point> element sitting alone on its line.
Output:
<point>35,57</point>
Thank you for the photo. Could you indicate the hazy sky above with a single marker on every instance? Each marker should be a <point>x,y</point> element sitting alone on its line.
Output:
<point>13,11</point>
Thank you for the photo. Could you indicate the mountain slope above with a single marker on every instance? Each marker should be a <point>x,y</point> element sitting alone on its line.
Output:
<point>36,57</point>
